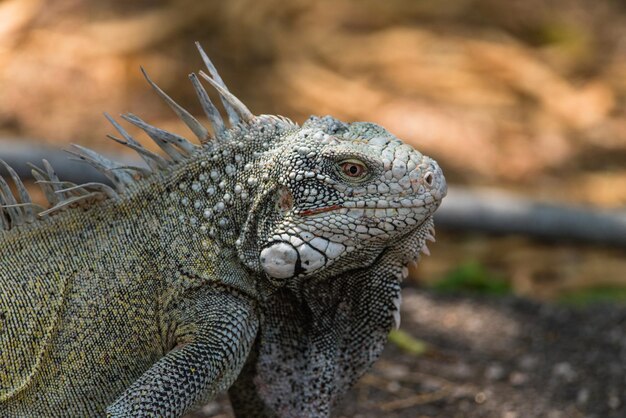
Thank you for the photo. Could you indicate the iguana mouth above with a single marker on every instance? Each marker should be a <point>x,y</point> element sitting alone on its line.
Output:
<point>315,211</point>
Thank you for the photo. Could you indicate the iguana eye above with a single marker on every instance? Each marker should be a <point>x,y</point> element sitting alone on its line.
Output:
<point>353,168</point>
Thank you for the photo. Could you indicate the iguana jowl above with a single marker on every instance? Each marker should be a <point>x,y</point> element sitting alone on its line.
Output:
<point>266,260</point>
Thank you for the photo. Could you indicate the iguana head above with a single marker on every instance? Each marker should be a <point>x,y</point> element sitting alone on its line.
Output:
<point>339,194</point>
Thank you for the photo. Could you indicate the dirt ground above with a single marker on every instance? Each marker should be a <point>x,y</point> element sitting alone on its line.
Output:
<point>494,358</point>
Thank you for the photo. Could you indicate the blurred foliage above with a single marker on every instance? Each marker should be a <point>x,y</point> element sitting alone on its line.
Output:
<point>594,295</point>
<point>472,276</point>
<point>407,343</point>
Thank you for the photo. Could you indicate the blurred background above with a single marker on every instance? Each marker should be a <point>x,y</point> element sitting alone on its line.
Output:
<point>527,97</point>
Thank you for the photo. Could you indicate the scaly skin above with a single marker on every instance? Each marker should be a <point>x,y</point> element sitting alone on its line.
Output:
<point>266,260</point>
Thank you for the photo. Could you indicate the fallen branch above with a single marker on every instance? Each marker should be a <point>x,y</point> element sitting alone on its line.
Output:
<point>497,212</point>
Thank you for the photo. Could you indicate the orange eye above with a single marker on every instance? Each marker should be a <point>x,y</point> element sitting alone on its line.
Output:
<point>353,169</point>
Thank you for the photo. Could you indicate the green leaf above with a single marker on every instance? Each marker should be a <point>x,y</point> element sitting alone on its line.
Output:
<point>592,295</point>
<point>407,343</point>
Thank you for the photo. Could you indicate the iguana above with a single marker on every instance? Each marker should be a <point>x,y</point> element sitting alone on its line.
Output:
<point>265,260</point>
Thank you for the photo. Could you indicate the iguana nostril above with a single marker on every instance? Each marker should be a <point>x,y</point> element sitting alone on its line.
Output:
<point>429,178</point>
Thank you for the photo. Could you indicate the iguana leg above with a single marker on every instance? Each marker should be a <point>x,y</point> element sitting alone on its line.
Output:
<point>220,328</point>
<point>243,394</point>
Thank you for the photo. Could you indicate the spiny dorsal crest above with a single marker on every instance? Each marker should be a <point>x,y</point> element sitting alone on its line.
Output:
<point>18,209</point>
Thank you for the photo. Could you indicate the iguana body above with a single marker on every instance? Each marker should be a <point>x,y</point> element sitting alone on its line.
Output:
<point>266,260</point>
